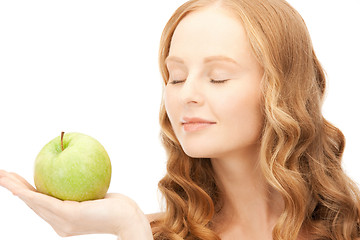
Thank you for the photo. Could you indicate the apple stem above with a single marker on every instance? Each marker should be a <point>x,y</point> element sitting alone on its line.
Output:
<point>62,144</point>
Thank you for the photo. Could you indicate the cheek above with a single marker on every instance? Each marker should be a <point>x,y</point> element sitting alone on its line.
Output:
<point>242,115</point>
<point>170,105</point>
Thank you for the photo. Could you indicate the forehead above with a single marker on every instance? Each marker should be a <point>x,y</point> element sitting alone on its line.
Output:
<point>210,31</point>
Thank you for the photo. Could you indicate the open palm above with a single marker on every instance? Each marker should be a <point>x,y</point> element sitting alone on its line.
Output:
<point>115,214</point>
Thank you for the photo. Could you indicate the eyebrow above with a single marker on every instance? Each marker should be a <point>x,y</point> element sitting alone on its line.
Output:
<point>206,60</point>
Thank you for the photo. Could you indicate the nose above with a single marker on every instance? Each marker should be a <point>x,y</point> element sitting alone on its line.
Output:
<point>192,92</point>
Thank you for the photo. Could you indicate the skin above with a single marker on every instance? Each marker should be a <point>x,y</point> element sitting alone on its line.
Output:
<point>251,206</point>
<point>115,214</point>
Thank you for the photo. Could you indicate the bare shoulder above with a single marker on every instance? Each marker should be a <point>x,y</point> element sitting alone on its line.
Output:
<point>154,216</point>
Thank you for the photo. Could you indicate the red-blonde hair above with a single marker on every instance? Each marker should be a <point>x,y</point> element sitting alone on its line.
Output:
<point>300,152</point>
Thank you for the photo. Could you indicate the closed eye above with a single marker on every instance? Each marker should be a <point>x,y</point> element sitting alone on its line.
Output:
<point>212,81</point>
<point>218,81</point>
<point>176,81</point>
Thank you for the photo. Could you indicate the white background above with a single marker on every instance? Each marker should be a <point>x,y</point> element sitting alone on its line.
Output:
<point>91,67</point>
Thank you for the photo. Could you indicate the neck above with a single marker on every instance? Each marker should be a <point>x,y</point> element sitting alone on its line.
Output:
<point>249,202</point>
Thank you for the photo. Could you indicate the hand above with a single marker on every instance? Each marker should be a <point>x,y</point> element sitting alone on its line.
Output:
<point>115,214</point>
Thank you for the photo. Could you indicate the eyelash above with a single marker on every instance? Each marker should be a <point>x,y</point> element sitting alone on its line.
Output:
<point>212,81</point>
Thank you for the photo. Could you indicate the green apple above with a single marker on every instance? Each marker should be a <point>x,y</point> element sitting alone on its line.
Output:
<point>73,167</point>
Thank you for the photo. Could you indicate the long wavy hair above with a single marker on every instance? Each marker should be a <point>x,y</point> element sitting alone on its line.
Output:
<point>301,152</point>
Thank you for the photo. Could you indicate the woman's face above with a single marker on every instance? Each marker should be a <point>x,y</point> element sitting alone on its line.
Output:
<point>213,76</point>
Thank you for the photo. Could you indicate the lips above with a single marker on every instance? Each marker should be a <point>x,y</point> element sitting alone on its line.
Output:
<point>195,124</point>
<point>187,120</point>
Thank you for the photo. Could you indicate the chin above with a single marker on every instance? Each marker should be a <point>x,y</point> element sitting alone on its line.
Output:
<point>199,153</point>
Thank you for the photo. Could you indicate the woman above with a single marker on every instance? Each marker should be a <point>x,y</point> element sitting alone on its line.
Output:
<point>250,155</point>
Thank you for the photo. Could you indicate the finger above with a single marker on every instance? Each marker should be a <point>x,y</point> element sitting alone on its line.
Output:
<point>21,188</point>
<point>40,200</point>
<point>10,184</point>
<point>35,200</point>
<point>54,211</point>
<point>42,209</point>
<point>2,173</point>
<point>21,179</point>
<point>13,182</point>
<point>49,208</point>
